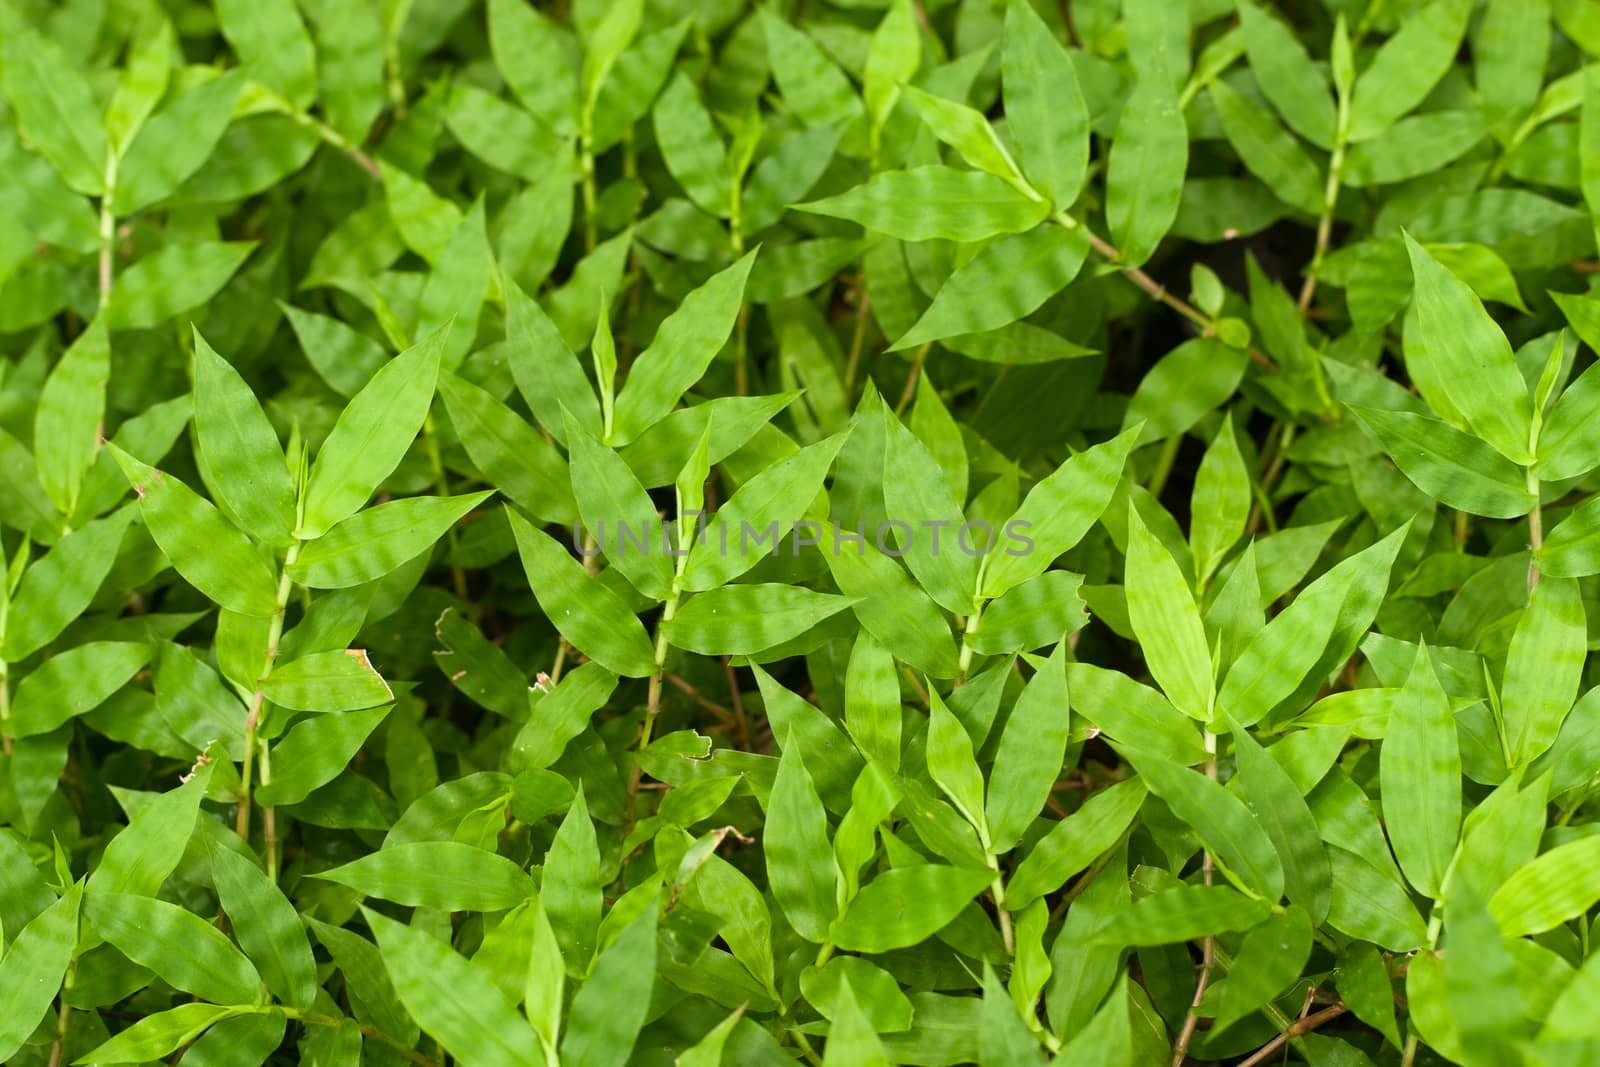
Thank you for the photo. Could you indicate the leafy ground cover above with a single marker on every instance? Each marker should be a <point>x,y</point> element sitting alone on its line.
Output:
<point>847,531</point>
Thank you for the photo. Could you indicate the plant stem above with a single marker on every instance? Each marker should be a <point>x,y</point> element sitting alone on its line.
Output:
<point>1164,461</point>
<point>910,390</point>
<point>967,632</point>
<point>63,1018</point>
<point>1535,532</point>
<point>1180,1049</point>
<point>314,1019</point>
<point>1296,1028</point>
<point>998,890</point>
<point>1330,198</point>
<point>591,197</point>
<point>5,707</point>
<point>441,481</point>
<point>337,140</point>
<point>252,722</point>
<point>108,228</point>
<point>858,336</point>
<point>652,706</point>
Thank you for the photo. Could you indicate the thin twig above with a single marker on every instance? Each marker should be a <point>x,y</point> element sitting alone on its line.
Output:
<point>1180,1049</point>
<point>1300,1026</point>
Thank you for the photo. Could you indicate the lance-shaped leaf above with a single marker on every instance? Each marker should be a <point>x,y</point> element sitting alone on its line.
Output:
<point>611,1007</point>
<point>952,764</point>
<point>933,534</point>
<point>209,551</point>
<point>1221,821</point>
<point>1560,885</point>
<point>1472,371</point>
<point>1572,549</point>
<point>1455,469</point>
<point>1162,611</point>
<point>315,752</point>
<point>620,515</point>
<point>800,865</point>
<point>32,969</point>
<point>1407,67</point>
<point>72,683</point>
<point>547,373</point>
<point>186,951</point>
<point>1220,505</point>
<point>1183,913</point>
<point>1271,794</point>
<point>142,855</point>
<point>969,133</point>
<point>266,924</point>
<point>1287,76</point>
<point>1544,668</point>
<point>55,106</point>
<point>1267,150</point>
<point>1283,658</point>
<point>1045,109</point>
<point>243,462</point>
<point>1029,758</point>
<point>684,345</point>
<point>378,540</point>
<point>339,680</point>
<point>889,603</point>
<point>160,1034</point>
<point>931,202</point>
<point>758,515</point>
<point>452,1000</point>
<point>1034,614</point>
<point>691,147</point>
<point>512,455</point>
<point>59,586</point>
<point>1145,171</point>
<point>741,620</point>
<point>1009,278</point>
<point>906,905</point>
<point>1075,842</point>
<point>173,280</point>
<point>587,613</point>
<point>436,874</point>
<point>67,422</point>
<point>372,435</point>
<point>1420,771</point>
<point>1057,512</point>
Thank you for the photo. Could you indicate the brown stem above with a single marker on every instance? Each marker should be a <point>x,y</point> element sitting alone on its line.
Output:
<point>1208,947</point>
<point>1299,1027</point>
<point>258,700</point>
<point>858,337</point>
<point>910,390</point>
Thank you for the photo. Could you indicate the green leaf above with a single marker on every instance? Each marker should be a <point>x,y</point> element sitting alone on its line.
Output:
<point>186,951</point>
<point>1182,913</point>
<point>889,604</point>
<point>267,926</point>
<point>33,967</point>
<point>934,202</point>
<point>741,620</point>
<point>371,436</point>
<point>1009,278</point>
<point>620,515</point>
<point>58,587</point>
<point>920,505</point>
<point>1075,842</point>
<point>1569,441</point>
<point>1270,959</point>
<point>1163,613</point>
<point>1029,758</point>
<point>760,511</point>
<point>67,422</point>
<point>1472,371</point>
<point>452,1000</point>
<point>532,56</point>
<point>1420,773</point>
<point>210,552</point>
<point>588,614</point>
<point>892,60</point>
<point>378,540</point>
<point>55,107</point>
<point>969,133</point>
<point>872,701</point>
<point>1572,549</point>
<point>71,683</point>
<point>1145,170</point>
<point>610,1009</point>
<point>511,454</point>
<point>315,752</point>
<point>1221,820</point>
<point>800,867</point>
<point>501,134</point>
<point>436,874</point>
<point>339,680</point>
<point>1057,512</point>
<point>684,345</point>
<point>1560,885</point>
<point>691,147</point>
<point>1407,67</point>
<point>1045,109</point>
<point>1267,150</point>
<point>1220,505</point>
<point>906,905</point>
<point>1287,75</point>
<point>1272,796</point>
<point>159,1034</point>
<point>1034,614</point>
<point>271,40</point>
<point>1457,470</point>
<point>952,765</point>
<point>570,892</point>
<point>1544,668</point>
<point>244,464</point>
<point>813,87</point>
<point>142,855</point>
<point>175,143</point>
<point>561,715</point>
<point>172,280</point>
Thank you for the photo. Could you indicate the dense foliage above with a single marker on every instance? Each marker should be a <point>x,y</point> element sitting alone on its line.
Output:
<point>855,531</point>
